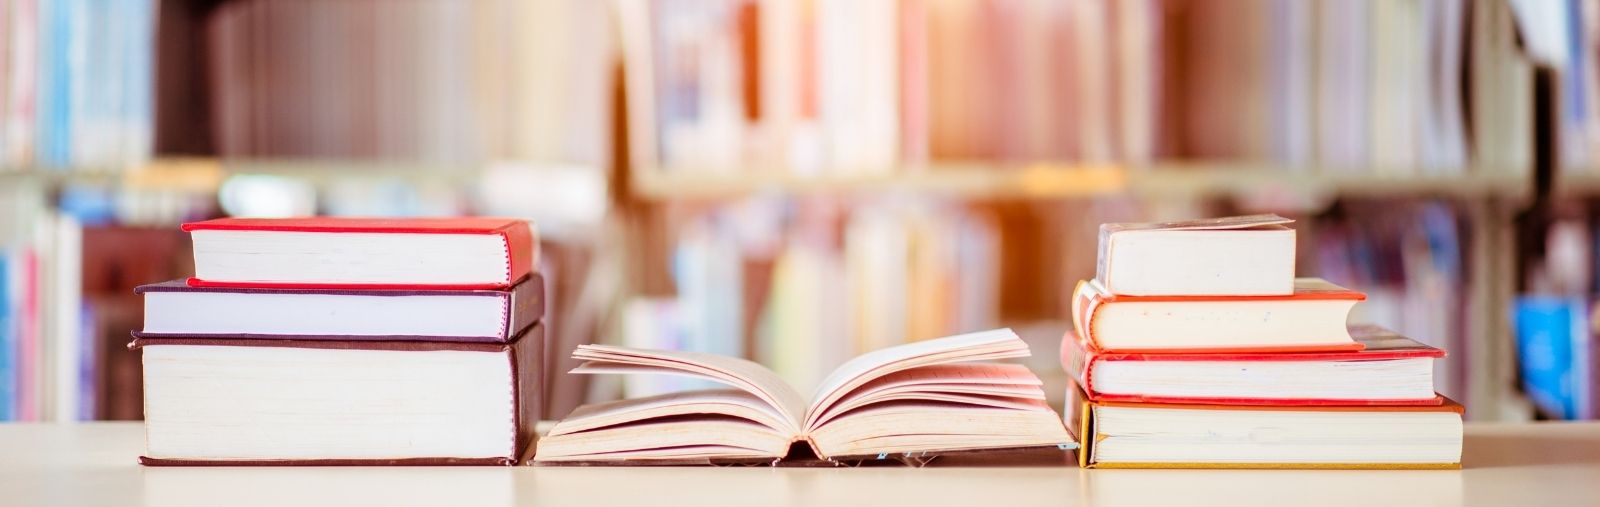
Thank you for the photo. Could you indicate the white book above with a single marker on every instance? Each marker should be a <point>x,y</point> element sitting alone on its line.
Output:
<point>916,400</point>
<point>1313,317</point>
<point>1158,435</point>
<point>331,402</point>
<point>1234,256</point>
<point>174,309</point>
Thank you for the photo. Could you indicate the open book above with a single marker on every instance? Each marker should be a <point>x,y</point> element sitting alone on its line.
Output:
<point>915,400</point>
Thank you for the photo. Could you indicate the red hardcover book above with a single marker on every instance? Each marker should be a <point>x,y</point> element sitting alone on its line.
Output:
<point>1389,370</point>
<point>362,253</point>
<point>1311,319</point>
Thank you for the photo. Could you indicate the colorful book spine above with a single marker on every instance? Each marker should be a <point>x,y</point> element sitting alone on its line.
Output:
<point>1555,353</point>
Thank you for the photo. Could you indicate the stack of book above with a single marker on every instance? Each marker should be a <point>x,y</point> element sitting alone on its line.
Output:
<point>346,341</point>
<point>1196,347</point>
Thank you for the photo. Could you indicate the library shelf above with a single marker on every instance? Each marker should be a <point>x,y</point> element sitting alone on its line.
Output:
<point>1048,181</point>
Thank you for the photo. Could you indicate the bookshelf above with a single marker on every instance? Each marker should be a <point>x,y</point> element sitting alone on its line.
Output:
<point>972,180</point>
<point>1052,181</point>
<point>576,86</point>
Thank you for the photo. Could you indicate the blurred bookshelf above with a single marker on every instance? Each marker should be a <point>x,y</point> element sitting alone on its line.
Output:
<point>796,181</point>
<point>1052,181</point>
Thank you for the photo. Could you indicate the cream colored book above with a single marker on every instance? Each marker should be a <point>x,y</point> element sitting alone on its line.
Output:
<point>915,401</point>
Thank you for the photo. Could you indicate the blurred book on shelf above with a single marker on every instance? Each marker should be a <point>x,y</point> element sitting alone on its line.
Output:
<point>432,80</point>
<point>803,285</point>
<point>1557,356</point>
<point>77,83</point>
<point>831,87</point>
<point>1408,258</point>
<point>1554,314</point>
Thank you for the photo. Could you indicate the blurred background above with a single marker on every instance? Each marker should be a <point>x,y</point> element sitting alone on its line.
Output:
<point>800,181</point>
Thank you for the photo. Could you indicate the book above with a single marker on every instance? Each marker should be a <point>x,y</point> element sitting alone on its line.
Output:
<point>224,401</point>
<point>362,253</point>
<point>1389,370</point>
<point>921,399</point>
<point>1556,355</point>
<point>173,309</point>
<point>1250,255</point>
<point>1312,318</point>
<point>8,339</point>
<point>1155,435</point>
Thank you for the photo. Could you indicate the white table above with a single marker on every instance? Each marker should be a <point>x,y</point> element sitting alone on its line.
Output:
<point>1537,465</point>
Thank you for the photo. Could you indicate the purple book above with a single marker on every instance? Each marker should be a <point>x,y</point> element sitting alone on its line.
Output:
<point>174,309</point>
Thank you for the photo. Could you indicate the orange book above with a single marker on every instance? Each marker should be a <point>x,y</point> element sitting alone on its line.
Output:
<point>1151,435</point>
<point>1310,319</point>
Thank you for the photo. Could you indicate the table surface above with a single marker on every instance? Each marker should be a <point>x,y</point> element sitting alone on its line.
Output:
<point>1544,465</point>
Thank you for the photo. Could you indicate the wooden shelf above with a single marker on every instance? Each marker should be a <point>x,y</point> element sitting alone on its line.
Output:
<point>202,174</point>
<point>1060,181</point>
<point>975,180</point>
<point>962,180</point>
<point>1577,183</point>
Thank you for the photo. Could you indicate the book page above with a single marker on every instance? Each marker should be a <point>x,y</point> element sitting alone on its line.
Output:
<point>987,384</point>
<point>979,346</point>
<point>708,402</point>
<point>739,373</point>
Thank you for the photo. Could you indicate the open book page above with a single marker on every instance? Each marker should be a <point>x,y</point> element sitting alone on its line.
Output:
<point>984,384</point>
<point>932,426</point>
<point>728,402</point>
<point>980,346</point>
<point>745,375</point>
<point>655,440</point>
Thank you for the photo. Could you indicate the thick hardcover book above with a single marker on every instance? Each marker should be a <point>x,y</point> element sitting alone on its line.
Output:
<point>176,309</point>
<point>362,253</point>
<point>1155,435</point>
<point>907,403</point>
<point>1313,318</point>
<point>219,401</point>
<point>1389,370</point>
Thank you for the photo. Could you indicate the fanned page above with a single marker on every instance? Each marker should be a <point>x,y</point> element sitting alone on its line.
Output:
<point>745,375</point>
<point>980,346</point>
<point>933,397</point>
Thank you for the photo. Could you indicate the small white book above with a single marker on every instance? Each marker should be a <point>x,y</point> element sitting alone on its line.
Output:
<point>1234,256</point>
<point>917,400</point>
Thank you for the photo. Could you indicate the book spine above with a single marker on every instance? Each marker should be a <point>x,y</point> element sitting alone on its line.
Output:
<point>525,305</point>
<point>1076,360</point>
<point>8,339</point>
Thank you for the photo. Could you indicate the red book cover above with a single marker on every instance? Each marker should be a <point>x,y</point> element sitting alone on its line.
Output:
<point>518,234</point>
<point>1079,357</point>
